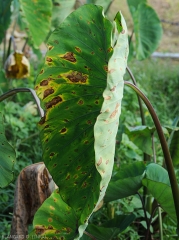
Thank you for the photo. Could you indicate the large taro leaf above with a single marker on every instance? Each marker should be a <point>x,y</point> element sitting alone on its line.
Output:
<point>147,28</point>
<point>7,158</point>
<point>36,16</point>
<point>5,14</point>
<point>126,182</point>
<point>158,183</point>
<point>71,86</point>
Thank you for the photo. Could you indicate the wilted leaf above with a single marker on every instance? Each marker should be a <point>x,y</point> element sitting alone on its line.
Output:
<point>7,158</point>
<point>17,65</point>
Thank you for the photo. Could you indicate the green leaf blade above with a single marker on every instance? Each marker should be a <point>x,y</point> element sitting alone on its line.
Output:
<point>36,16</point>
<point>7,158</point>
<point>158,183</point>
<point>126,182</point>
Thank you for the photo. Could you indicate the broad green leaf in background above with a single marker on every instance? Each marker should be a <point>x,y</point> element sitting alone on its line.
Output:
<point>110,229</point>
<point>147,28</point>
<point>133,5</point>
<point>61,9</point>
<point>55,218</point>
<point>105,4</point>
<point>5,14</point>
<point>36,16</point>
<point>7,158</point>
<point>158,184</point>
<point>71,85</point>
<point>126,182</point>
<point>141,137</point>
<point>174,142</point>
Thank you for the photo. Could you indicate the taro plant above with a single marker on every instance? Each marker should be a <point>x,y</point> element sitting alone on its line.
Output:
<point>81,87</point>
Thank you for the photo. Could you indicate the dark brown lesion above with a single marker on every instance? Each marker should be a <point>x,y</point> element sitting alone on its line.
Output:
<point>78,49</point>
<point>44,82</point>
<point>53,102</point>
<point>77,77</point>
<point>48,59</point>
<point>69,57</point>
<point>48,92</point>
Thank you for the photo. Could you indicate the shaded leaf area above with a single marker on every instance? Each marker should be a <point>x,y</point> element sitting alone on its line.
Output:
<point>141,137</point>
<point>61,9</point>
<point>174,147</point>
<point>7,157</point>
<point>36,16</point>
<point>158,183</point>
<point>110,229</point>
<point>126,182</point>
<point>147,28</point>
<point>55,219</point>
<point>70,86</point>
<point>5,14</point>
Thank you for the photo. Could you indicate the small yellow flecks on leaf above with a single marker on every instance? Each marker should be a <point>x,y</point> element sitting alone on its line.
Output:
<point>17,66</point>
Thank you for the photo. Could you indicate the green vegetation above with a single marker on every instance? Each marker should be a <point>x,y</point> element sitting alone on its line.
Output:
<point>138,195</point>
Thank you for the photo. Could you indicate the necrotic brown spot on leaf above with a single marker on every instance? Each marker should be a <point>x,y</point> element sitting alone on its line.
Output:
<point>99,162</point>
<point>63,130</point>
<point>56,4</point>
<point>47,92</point>
<point>77,77</point>
<point>78,49</point>
<point>42,120</point>
<point>53,102</point>
<point>69,57</point>
<point>110,49</point>
<point>52,154</point>
<point>44,83</point>
<point>41,71</point>
<point>80,102</point>
<point>48,59</point>
<point>56,41</point>
<point>39,229</point>
<point>50,47</point>
<point>106,68</point>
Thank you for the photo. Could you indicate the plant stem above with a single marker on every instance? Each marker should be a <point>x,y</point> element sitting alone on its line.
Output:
<point>139,100</point>
<point>143,206</point>
<point>89,235</point>
<point>168,160</point>
<point>17,90</point>
<point>160,223</point>
<point>150,220</point>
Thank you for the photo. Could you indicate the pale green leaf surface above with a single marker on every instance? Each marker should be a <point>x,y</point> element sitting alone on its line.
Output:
<point>7,158</point>
<point>106,126</point>
<point>133,5</point>
<point>36,15</point>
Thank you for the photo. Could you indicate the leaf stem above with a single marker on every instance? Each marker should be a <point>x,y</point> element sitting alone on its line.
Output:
<point>168,160</point>
<point>17,90</point>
